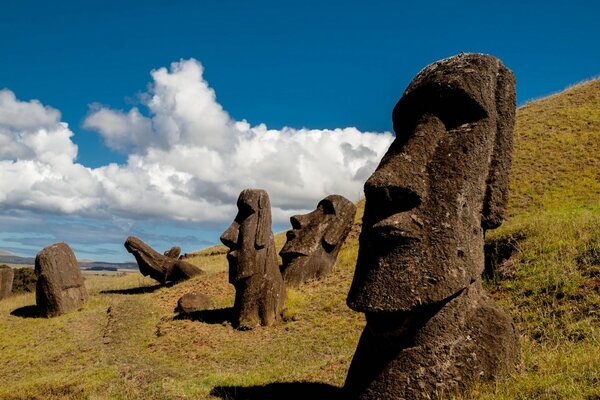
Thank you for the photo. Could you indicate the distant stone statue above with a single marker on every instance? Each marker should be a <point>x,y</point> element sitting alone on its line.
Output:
<point>431,328</point>
<point>60,286</point>
<point>6,281</point>
<point>163,268</point>
<point>253,266</point>
<point>315,240</point>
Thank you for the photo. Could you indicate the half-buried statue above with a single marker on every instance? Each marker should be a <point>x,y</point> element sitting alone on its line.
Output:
<point>253,266</point>
<point>60,287</point>
<point>315,240</point>
<point>431,329</point>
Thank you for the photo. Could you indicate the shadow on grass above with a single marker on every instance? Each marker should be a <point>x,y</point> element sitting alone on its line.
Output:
<point>30,311</point>
<point>280,390</point>
<point>218,316</point>
<point>139,290</point>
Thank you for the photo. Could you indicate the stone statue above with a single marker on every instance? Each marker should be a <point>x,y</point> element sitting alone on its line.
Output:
<point>6,281</point>
<point>60,286</point>
<point>253,266</point>
<point>431,329</point>
<point>163,268</point>
<point>315,240</point>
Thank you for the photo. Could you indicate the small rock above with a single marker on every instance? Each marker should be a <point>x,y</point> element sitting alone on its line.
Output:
<point>190,302</point>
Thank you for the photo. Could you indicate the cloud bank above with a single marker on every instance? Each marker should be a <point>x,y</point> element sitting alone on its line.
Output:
<point>187,159</point>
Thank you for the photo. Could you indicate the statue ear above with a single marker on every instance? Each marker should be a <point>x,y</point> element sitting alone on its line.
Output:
<point>263,227</point>
<point>333,234</point>
<point>339,228</point>
<point>496,195</point>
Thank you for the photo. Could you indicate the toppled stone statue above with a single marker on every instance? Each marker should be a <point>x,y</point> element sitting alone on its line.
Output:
<point>60,286</point>
<point>315,240</point>
<point>191,302</point>
<point>163,268</point>
<point>253,266</point>
<point>431,329</point>
<point>6,281</point>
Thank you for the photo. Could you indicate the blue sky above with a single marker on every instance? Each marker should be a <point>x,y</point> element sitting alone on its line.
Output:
<point>298,64</point>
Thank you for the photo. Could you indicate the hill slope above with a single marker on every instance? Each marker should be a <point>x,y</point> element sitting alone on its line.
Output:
<point>126,343</point>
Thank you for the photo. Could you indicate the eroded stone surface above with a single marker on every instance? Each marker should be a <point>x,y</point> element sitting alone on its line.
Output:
<point>60,286</point>
<point>444,180</point>
<point>160,267</point>
<point>191,302</point>
<point>173,252</point>
<point>6,281</point>
<point>315,240</point>
<point>253,266</point>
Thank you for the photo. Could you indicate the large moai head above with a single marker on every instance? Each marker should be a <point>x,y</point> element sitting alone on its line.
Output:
<point>315,239</point>
<point>249,237</point>
<point>443,181</point>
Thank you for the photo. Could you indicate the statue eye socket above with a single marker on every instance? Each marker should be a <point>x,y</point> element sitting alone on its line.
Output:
<point>327,207</point>
<point>244,211</point>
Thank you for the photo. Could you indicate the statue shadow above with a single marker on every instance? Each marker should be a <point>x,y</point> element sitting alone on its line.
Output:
<point>139,290</point>
<point>280,390</point>
<point>31,311</point>
<point>218,316</point>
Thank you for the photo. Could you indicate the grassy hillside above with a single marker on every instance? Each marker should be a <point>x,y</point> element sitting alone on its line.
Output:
<point>127,343</point>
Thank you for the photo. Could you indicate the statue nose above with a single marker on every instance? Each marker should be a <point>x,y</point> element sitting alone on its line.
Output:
<point>298,221</point>
<point>386,200</point>
<point>230,237</point>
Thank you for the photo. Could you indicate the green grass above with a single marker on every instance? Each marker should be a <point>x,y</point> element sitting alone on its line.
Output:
<point>129,346</point>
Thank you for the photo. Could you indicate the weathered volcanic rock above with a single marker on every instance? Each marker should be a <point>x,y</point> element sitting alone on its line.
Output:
<point>173,252</point>
<point>160,267</point>
<point>60,286</point>
<point>253,267</point>
<point>444,180</point>
<point>433,350</point>
<point>191,302</point>
<point>6,281</point>
<point>315,240</point>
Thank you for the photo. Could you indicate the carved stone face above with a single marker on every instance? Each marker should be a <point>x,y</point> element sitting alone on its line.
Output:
<point>443,180</point>
<point>316,238</point>
<point>248,235</point>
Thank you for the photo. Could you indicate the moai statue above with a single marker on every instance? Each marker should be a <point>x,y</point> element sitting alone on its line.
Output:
<point>253,266</point>
<point>431,329</point>
<point>60,286</point>
<point>163,268</point>
<point>315,240</point>
<point>6,281</point>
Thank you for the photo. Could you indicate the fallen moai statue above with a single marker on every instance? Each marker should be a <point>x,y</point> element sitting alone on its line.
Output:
<point>6,281</point>
<point>163,268</point>
<point>253,266</point>
<point>431,328</point>
<point>315,240</point>
<point>60,286</point>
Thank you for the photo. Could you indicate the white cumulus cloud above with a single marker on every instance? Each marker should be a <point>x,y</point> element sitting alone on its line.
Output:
<point>187,159</point>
